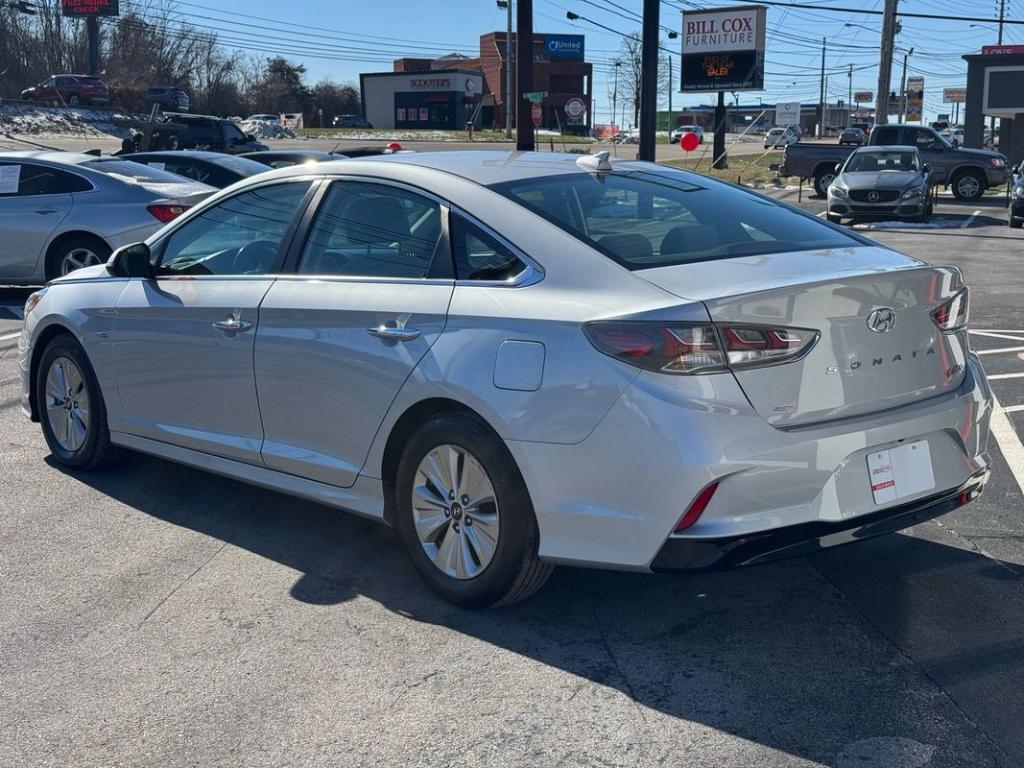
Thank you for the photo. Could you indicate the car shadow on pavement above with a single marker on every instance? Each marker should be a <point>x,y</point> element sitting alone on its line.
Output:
<point>777,654</point>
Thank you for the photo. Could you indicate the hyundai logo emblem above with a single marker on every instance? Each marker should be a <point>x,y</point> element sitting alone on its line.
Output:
<point>882,320</point>
<point>872,197</point>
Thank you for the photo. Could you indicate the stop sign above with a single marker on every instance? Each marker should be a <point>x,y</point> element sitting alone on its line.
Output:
<point>536,113</point>
<point>688,141</point>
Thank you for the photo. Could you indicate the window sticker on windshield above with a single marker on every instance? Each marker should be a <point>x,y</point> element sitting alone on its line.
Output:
<point>10,175</point>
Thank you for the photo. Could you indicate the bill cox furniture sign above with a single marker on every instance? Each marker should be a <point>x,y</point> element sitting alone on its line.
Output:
<point>723,50</point>
<point>564,46</point>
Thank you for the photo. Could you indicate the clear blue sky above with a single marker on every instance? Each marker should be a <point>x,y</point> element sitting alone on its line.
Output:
<point>338,40</point>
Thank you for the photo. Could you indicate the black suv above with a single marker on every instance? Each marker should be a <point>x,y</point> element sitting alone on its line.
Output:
<point>169,99</point>
<point>214,133</point>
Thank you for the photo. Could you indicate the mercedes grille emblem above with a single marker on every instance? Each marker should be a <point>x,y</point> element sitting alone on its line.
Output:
<point>872,197</point>
<point>882,320</point>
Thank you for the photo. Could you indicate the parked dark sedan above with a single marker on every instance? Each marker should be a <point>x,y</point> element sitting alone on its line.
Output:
<point>169,99</point>
<point>854,136</point>
<point>282,158</point>
<point>213,168</point>
<point>351,121</point>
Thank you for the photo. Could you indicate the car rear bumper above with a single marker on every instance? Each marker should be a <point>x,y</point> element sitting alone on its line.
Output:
<point>614,499</point>
<point>806,538</point>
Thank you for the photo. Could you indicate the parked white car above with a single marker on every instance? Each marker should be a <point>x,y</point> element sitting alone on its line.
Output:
<point>781,137</point>
<point>61,211</point>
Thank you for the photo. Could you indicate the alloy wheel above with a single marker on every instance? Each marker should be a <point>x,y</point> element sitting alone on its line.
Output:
<point>968,187</point>
<point>67,404</point>
<point>455,512</point>
<point>77,258</point>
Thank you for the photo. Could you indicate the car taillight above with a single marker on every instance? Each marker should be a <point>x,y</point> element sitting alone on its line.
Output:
<point>952,316</point>
<point>165,212</point>
<point>692,348</point>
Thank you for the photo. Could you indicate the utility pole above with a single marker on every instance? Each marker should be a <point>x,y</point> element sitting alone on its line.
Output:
<point>509,101</point>
<point>615,94</point>
<point>849,97</point>
<point>885,63</point>
<point>524,75</point>
<point>821,99</point>
<point>999,40</point>
<point>92,28</point>
<point>903,85</point>
<point>670,119</point>
<point>649,80</point>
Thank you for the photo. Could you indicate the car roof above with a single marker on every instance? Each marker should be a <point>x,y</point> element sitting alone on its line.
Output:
<point>290,153</point>
<point>49,156</point>
<point>885,148</point>
<point>197,154</point>
<point>483,167</point>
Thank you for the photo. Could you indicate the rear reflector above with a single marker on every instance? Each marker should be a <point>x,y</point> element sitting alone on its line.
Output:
<point>165,213</point>
<point>696,508</point>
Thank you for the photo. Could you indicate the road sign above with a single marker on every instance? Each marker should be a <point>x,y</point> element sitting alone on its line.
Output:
<point>536,113</point>
<point>535,96</point>
<point>787,113</point>
<point>90,8</point>
<point>575,108</point>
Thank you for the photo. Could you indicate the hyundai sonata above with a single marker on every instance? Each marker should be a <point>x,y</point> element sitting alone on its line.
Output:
<point>520,360</point>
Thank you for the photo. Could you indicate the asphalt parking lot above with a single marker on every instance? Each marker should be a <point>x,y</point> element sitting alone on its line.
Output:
<point>154,615</point>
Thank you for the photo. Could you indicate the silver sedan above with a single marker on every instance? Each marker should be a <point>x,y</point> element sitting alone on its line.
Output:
<point>882,182</point>
<point>520,360</point>
<point>60,211</point>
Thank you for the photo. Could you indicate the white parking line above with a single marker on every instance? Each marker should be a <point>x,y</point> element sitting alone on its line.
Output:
<point>1013,408</point>
<point>999,351</point>
<point>819,215</point>
<point>9,336</point>
<point>1009,443</point>
<point>970,218</point>
<point>998,335</point>
<point>998,376</point>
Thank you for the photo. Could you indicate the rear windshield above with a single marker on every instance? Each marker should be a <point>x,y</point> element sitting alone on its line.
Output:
<point>130,171</point>
<point>861,162</point>
<point>657,219</point>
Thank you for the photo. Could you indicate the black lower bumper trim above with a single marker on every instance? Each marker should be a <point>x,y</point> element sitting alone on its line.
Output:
<point>805,538</point>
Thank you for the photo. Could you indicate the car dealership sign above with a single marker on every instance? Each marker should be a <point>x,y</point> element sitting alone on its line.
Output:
<point>954,95</point>
<point>723,50</point>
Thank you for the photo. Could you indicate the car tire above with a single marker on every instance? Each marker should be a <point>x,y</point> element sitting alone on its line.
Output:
<point>968,186</point>
<point>822,181</point>
<point>468,562</point>
<point>77,440</point>
<point>73,100</point>
<point>1016,223</point>
<point>83,250</point>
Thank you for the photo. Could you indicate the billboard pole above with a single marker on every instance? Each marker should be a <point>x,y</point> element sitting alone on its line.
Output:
<point>92,28</point>
<point>718,150</point>
<point>649,80</point>
<point>885,63</point>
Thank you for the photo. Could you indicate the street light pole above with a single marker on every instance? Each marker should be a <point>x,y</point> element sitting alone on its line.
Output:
<point>821,99</point>
<point>903,85</point>
<point>615,93</point>
<point>849,97</point>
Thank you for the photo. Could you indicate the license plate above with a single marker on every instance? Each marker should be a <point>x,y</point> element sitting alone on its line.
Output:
<point>900,471</point>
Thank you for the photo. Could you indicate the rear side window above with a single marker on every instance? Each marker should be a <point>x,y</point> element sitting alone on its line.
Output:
<point>372,230</point>
<point>130,171</point>
<point>36,180</point>
<point>479,256</point>
<point>644,219</point>
<point>238,236</point>
<point>886,136</point>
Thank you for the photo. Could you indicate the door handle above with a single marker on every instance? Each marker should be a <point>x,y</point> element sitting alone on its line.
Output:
<point>45,211</point>
<point>233,324</point>
<point>394,334</point>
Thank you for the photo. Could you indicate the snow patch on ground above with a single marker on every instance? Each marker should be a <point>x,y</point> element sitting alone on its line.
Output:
<point>48,122</point>
<point>266,129</point>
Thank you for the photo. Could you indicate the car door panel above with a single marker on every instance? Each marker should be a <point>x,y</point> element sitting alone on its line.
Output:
<point>182,380</point>
<point>28,220</point>
<point>338,340</point>
<point>325,383</point>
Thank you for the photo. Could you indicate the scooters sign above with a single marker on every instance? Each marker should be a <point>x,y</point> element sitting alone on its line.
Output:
<point>723,49</point>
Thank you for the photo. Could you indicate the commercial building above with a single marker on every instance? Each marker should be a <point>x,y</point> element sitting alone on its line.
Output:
<point>995,89</point>
<point>449,92</point>
<point>760,117</point>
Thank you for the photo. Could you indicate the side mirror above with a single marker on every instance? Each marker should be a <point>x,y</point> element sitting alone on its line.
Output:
<point>1015,170</point>
<point>838,167</point>
<point>131,261</point>
<point>926,168</point>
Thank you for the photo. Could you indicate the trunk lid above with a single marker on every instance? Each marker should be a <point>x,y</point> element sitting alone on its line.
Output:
<point>851,369</point>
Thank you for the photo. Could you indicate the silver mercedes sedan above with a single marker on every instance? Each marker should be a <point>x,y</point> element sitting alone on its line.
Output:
<point>520,360</point>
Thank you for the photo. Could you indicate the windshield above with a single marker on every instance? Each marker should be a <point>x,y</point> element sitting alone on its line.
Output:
<point>872,162</point>
<point>645,219</point>
<point>775,132</point>
<point>131,171</point>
